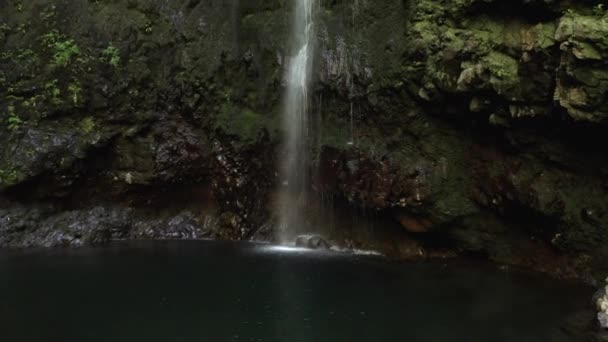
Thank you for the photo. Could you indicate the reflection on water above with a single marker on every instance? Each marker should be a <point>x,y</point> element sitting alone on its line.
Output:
<point>212,291</point>
<point>285,249</point>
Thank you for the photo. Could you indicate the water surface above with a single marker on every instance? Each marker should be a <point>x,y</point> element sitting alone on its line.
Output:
<point>216,291</point>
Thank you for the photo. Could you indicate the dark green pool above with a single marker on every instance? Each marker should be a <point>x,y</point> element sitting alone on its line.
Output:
<point>212,291</point>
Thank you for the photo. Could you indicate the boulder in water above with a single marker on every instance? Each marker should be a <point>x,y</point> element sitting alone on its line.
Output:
<point>312,242</point>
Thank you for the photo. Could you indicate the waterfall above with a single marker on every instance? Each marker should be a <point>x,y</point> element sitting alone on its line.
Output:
<point>295,166</point>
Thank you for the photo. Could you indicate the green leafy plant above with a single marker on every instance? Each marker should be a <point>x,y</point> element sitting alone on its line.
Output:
<point>53,92</point>
<point>48,13</point>
<point>87,125</point>
<point>4,29</point>
<point>9,177</point>
<point>64,50</point>
<point>148,29</point>
<point>13,120</point>
<point>75,90</point>
<point>599,10</point>
<point>111,55</point>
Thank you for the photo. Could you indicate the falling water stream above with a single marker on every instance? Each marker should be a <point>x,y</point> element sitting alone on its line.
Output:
<point>295,168</point>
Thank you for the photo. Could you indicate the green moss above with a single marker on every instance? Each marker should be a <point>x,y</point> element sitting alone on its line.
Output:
<point>427,32</point>
<point>504,74</point>
<point>574,27</point>
<point>334,134</point>
<point>244,122</point>
<point>582,84</point>
<point>491,31</point>
<point>586,51</point>
<point>501,65</point>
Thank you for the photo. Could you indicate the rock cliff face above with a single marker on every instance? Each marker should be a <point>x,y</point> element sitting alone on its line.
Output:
<point>475,125</point>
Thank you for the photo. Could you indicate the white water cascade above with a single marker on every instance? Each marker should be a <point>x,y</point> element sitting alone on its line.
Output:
<point>295,166</point>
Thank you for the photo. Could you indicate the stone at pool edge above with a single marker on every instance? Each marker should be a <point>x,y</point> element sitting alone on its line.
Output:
<point>601,301</point>
<point>602,317</point>
<point>312,242</point>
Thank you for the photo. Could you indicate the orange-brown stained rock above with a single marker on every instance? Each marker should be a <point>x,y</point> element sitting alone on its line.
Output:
<point>413,224</point>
